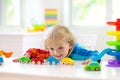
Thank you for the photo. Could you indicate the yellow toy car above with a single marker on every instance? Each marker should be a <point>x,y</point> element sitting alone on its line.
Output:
<point>67,61</point>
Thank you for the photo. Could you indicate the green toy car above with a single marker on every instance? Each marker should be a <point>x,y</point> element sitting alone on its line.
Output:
<point>93,66</point>
<point>24,60</point>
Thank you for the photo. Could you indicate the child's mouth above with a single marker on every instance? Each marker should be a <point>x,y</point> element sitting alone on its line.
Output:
<point>58,56</point>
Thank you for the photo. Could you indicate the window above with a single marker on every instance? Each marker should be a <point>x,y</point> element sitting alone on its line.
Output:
<point>19,14</point>
<point>88,12</point>
<point>115,10</point>
<point>10,12</point>
<point>93,12</point>
<point>81,12</point>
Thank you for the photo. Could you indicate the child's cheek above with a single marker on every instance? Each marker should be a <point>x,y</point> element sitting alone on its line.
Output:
<point>51,53</point>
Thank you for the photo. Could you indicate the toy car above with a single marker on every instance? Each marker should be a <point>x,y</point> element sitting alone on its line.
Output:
<point>37,60</point>
<point>67,61</point>
<point>51,60</point>
<point>1,60</point>
<point>24,60</point>
<point>93,66</point>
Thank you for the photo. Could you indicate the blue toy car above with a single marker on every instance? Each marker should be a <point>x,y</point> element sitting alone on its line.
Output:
<point>1,60</point>
<point>51,60</point>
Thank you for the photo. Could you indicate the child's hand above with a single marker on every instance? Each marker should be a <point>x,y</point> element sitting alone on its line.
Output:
<point>86,61</point>
<point>16,60</point>
<point>112,58</point>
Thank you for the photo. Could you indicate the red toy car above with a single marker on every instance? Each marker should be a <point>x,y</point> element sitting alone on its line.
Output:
<point>37,60</point>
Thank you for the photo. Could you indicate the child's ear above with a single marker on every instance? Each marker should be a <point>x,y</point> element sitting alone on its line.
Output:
<point>71,45</point>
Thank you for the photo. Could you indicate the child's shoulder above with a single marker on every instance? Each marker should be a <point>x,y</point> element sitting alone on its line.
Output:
<point>78,45</point>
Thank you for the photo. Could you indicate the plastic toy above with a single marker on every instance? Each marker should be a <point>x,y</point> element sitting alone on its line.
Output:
<point>52,61</point>
<point>6,54</point>
<point>1,60</point>
<point>67,61</point>
<point>37,60</point>
<point>35,52</point>
<point>36,28</point>
<point>38,56</point>
<point>113,52</point>
<point>93,66</point>
<point>24,60</point>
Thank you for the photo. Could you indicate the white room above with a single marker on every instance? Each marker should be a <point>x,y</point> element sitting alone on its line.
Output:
<point>27,12</point>
<point>87,19</point>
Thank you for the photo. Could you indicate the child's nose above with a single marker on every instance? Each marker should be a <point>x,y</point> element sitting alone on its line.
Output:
<point>56,52</point>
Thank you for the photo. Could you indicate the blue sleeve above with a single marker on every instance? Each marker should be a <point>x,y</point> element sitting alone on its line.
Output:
<point>81,53</point>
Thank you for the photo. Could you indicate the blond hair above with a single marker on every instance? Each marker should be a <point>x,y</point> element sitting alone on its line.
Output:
<point>59,32</point>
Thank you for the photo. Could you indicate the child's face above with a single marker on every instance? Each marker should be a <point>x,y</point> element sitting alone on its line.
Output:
<point>59,50</point>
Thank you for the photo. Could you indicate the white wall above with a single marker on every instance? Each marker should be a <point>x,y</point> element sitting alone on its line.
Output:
<point>11,42</point>
<point>19,43</point>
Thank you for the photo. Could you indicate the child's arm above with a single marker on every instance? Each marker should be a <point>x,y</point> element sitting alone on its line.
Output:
<point>18,59</point>
<point>92,54</point>
<point>86,61</point>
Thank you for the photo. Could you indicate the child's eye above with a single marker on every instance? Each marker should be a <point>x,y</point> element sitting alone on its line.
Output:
<point>60,47</point>
<point>51,48</point>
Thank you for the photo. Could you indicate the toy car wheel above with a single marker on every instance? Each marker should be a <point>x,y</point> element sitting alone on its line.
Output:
<point>0,63</point>
<point>69,63</point>
<point>22,62</point>
<point>53,63</point>
<point>48,63</point>
<point>63,63</point>
<point>33,62</point>
<point>38,62</point>
<point>97,69</point>
<point>88,69</point>
<point>25,61</point>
